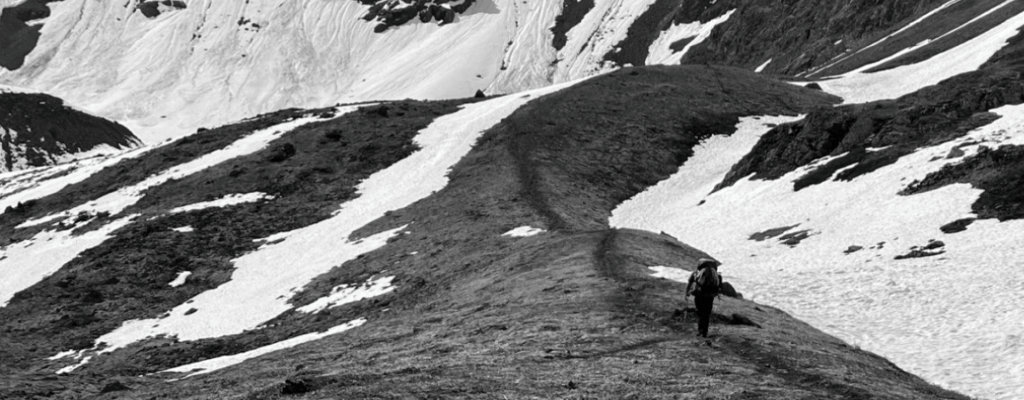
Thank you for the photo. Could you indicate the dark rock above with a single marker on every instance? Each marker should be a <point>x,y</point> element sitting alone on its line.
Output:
<point>381,110</point>
<point>296,386</point>
<point>934,244</point>
<point>92,297</point>
<point>813,86</point>
<point>571,385</point>
<point>480,94</point>
<point>729,290</point>
<point>919,253</point>
<point>959,225</point>
<point>999,172</point>
<point>794,238</point>
<point>281,152</point>
<point>853,249</point>
<point>770,233</point>
<point>573,12</point>
<point>114,386</point>
<point>739,319</point>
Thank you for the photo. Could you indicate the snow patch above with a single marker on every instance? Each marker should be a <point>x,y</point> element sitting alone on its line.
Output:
<point>903,310</point>
<point>70,368</point>
<point>661,52</point>
<point>26,263</point>
<point>761,67</point>
<point>184,229</point>
<point>229,200</point>
<point>675,274</point>
<point>524,231</point>
<point>345,294</point>
<point>180,279</point>
<point>214,364</point>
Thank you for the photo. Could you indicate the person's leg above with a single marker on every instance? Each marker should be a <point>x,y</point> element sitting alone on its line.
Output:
<point>704,305</point>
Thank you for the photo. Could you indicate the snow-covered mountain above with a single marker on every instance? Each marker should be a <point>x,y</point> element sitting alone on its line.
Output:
<point>504,247</point>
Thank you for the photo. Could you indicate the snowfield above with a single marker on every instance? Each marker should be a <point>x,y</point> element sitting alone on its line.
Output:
<point>220,61</point>
<point>954,318</point>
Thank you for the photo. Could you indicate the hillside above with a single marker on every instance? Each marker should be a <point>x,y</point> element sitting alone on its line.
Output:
<point>449,285</point>
<point>368,230</point>
<point>39,130</point>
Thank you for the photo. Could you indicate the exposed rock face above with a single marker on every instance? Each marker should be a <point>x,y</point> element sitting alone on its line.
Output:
<point>389,13</point>
<point>1000,172</point>
<point>796,34</point>
<point>933,115</point>
<point>17,37</point>
<point>37,130</point>
<point>153,8</point>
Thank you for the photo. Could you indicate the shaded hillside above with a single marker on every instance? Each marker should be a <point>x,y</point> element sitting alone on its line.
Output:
<point>40,130</point>
<point>17,37</point>
<point>475,313</point>
<point>866,137</point>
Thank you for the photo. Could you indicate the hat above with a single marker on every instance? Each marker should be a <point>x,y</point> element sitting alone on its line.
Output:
<point>707,262</point>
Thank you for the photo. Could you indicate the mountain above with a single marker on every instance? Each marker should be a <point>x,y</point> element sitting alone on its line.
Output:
<point>856,165</point>
<point>40,130</point>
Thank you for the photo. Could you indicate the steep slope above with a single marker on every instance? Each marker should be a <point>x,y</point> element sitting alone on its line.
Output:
<point>211,62</point>
<point>38,130</point>
<point>440,302</point>
<point>890,205</point>
<point>166,68</point>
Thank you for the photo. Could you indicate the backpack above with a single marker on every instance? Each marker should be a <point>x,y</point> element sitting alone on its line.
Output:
<point>708,282</point>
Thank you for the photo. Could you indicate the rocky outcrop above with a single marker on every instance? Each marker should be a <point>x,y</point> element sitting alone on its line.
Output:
<point>390,13</point>
<point>153,8</point>
<point>17,37</point>
<point>934,115</point>
<point>38,129</point>
<point>999,172</point>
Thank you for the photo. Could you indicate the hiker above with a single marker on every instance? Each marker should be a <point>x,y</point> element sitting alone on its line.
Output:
<point>706,285</point>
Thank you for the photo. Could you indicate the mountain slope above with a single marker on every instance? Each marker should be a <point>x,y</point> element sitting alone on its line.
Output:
<point>891,205</point>
<point>39,130</point>
<point>486,247</point>
<point>457,281</point>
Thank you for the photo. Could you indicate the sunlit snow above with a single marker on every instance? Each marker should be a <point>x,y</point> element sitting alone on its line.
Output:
<point>229,200</point>
<point>587,43</point>
<point>675,274</point>
<point>201,66</point>
<point>524,231</point>
<point>936,317</point>
<point>180,279</point>
<point>214,364</point>
<point>345,294</point>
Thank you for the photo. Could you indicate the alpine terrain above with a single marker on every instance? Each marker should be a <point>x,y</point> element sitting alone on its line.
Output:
<point>498,199</point>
